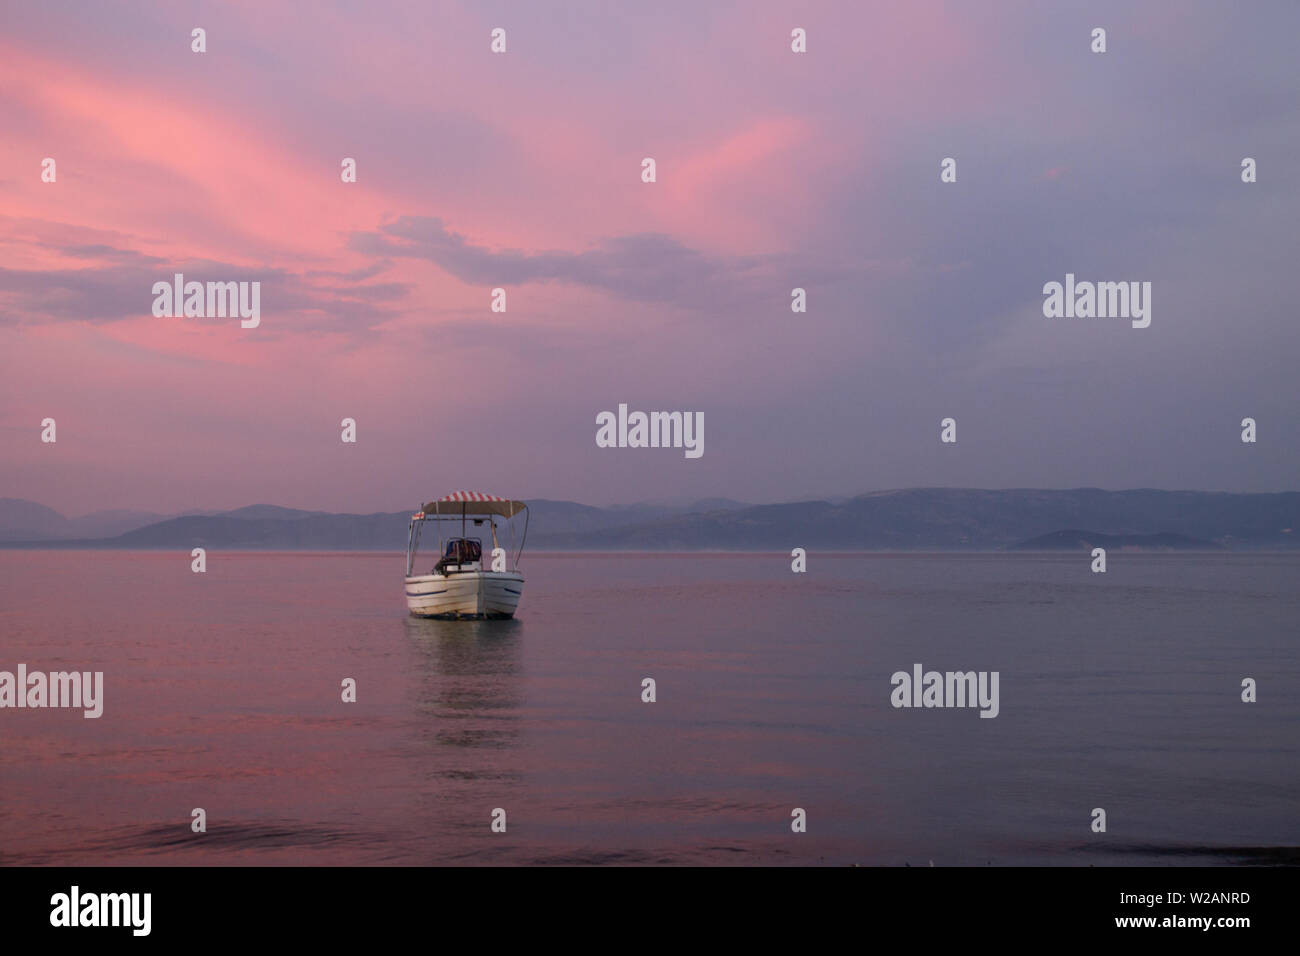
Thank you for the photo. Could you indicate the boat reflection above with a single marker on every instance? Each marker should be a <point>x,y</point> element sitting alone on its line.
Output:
<point>471,678</point>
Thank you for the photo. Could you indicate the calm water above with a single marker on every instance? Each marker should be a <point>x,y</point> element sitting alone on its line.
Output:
<point>222,691</point>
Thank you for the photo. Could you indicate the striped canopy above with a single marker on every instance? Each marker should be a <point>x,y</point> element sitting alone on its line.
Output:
<point>473,503</point>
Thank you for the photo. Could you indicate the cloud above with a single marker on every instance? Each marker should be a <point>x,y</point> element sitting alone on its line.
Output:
<point>121,288</point>
<point>353,275</point>
<point>647,267</point>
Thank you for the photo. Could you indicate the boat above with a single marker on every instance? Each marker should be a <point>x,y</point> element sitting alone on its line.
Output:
<point>461,585</point>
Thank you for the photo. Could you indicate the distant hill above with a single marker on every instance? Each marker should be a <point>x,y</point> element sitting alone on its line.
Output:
<point>910,519</point>
<point>716,504</point>
<point>270,511</point>
<point>274,527</point>
<point>108,523</point>
<point>22,520</point>
<point>957,518</point>
<point>1072,540</point>
<point>318,532</point>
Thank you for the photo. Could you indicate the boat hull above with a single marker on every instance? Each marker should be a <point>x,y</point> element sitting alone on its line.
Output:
<point>465,595</point>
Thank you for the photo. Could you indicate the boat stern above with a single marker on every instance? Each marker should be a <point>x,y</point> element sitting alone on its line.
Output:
<point>465,595</point>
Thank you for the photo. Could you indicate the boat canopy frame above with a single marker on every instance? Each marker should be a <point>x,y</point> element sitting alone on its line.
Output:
<point>450,510</point>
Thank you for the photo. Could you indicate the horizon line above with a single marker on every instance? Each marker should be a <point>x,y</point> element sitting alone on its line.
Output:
<point>661,504</point>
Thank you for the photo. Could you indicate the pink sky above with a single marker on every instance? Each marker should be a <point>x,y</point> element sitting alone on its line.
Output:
<point>522,170</point>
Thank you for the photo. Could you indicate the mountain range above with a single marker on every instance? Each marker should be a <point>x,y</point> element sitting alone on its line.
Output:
<point>907,519</point>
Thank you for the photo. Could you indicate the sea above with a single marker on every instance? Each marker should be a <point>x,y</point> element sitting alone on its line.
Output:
<point>772,736</point>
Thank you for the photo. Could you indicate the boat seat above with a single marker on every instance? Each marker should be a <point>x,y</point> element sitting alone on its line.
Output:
<point>460,551</point>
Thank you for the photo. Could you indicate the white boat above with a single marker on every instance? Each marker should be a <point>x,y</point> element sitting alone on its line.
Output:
<point>459,585</point>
